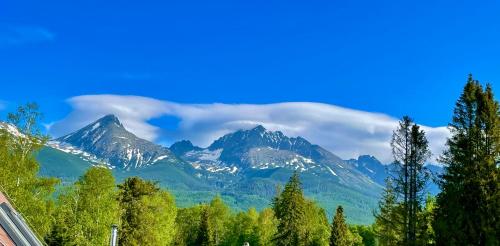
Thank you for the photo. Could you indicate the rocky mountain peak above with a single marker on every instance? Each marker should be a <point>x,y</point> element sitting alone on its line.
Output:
<point>109,119</point>
<point>108,140</point>
<point>259,129</point>
<point>181,147</point>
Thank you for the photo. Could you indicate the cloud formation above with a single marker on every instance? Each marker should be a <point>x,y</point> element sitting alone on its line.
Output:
<point>346,132</point>
<point>20,35</point>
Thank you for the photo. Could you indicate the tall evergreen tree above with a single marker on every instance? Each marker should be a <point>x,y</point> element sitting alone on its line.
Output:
<point>388,221</point>
<point>340,231</point>
<point>410,150</point>
<point>289,208</point>
<point>468,207</point>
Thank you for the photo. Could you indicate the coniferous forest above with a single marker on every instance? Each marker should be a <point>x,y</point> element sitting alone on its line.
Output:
<point>465,212</point>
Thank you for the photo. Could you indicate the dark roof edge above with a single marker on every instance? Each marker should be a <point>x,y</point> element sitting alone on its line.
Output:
<point>16,227</point>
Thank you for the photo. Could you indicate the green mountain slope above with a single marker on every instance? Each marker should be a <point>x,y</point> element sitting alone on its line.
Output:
<point>256,190</point>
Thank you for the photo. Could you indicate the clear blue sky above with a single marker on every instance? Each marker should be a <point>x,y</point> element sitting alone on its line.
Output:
<point>395,57</point>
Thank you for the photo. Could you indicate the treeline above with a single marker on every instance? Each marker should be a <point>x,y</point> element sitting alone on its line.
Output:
<point>147,215</point>
<point>466,212</point>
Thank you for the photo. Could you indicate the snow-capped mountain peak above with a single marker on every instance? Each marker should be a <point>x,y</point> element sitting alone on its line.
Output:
<point>108,140</point>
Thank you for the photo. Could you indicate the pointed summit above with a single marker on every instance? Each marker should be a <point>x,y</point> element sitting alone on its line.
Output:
<point>107,139</point>
<point>258,128</point>
<point>109,119</point>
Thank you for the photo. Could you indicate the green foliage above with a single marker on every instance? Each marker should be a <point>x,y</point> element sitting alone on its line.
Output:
<point>317,228</point>
<point>87,210</point>
<point>469,204</point>
<point>355,238</point>
<point>29,193</point>
<point>203,237</point>
<point>219,217</point>
<point>187,224</point>
<point>339,231</point>
<point>367,234</point>
<point>387,221</point>
<point>244,228</point>
<point>267,226</point>
<point>426,217</point>
<point>290,210</point>
<point>148,213</point>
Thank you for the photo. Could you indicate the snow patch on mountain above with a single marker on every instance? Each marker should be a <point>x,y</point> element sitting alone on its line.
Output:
<point>86,156</point>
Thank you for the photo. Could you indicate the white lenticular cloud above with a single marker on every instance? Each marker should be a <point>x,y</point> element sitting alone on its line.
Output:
<point>346,132</point>
<point>133,111</point>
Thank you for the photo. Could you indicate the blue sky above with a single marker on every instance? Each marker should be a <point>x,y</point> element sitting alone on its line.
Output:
<point>390,57</point>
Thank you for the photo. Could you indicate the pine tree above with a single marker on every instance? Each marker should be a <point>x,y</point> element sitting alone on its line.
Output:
<point>468,206</point>
<point>410,150</point>
<point>339,232</point>
<point>418,178</point>
<point>388,221</point>
<point>289,208</point>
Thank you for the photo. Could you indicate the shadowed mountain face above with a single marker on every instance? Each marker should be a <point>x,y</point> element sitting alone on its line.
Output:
<point>371,167</point>
<point>110,142</point>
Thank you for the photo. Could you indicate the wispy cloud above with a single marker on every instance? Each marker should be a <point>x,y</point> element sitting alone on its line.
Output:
<point>22,34</point>
<point>346,132</point>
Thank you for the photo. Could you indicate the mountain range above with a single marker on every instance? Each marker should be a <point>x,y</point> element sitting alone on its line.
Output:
<point>245,167</point>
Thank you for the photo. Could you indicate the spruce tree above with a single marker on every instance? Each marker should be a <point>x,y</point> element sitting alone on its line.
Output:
<point>339,235</point>
<point>289,208</point>
<point>410,150</point>
<point>468,207</point>
<point>388,221</point>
